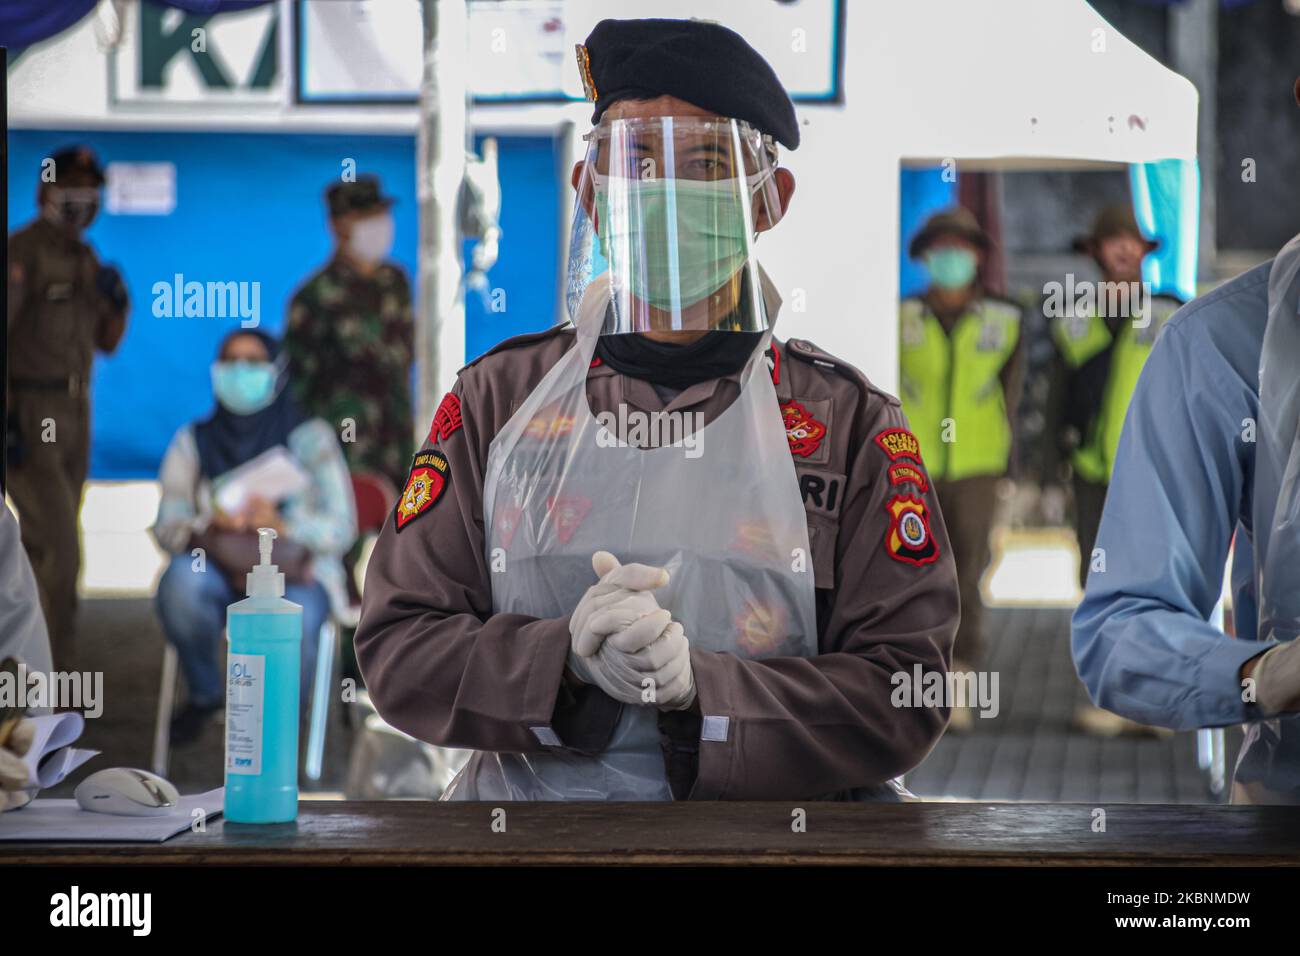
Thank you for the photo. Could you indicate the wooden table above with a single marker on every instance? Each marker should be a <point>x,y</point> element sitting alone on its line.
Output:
<point>911,834</point>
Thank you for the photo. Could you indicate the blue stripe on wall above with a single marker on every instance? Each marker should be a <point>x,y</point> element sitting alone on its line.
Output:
<point>250,209</point>
<point>922,193</point>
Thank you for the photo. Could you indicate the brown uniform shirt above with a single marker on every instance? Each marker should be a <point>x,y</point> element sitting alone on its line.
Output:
<point>57,318</point>
<point>442,667</point>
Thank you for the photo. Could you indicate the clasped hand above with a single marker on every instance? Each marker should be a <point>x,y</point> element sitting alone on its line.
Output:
<point>625,643</point>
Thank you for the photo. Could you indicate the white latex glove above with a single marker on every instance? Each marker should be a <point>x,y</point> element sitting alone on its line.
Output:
<point>666,662</point>
<point>1277,679</point>
<point>13,772</point>
<point>620,602</point>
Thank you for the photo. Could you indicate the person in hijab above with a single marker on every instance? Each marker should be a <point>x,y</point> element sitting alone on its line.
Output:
<point>255,415</point>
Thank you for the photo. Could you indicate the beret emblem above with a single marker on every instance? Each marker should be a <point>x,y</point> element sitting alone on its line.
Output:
<point>584,72</point>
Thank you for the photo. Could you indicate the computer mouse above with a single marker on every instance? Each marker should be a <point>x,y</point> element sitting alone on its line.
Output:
<point>127,792</point>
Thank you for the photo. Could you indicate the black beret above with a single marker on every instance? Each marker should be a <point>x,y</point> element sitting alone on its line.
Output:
<point>363,193</point>
<point>77,159</point>
<point>702,63</point>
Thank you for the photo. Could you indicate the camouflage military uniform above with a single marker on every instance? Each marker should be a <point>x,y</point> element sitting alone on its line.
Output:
<point>350,343</point>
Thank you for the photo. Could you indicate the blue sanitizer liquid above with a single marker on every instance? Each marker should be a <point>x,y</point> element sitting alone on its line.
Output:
<point>265,636</point>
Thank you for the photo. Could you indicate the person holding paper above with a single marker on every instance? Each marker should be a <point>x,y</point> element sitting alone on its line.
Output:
<point>15,780</point>
<point>212,548</point>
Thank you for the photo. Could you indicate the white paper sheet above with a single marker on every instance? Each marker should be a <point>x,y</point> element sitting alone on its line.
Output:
<point>63,820</point>
<point>274,475</point>
<point>50,758</point>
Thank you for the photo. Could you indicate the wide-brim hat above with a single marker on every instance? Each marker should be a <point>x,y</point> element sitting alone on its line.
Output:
<point>957,221</point>
<point>1113,221</point>
<point>77,159</point>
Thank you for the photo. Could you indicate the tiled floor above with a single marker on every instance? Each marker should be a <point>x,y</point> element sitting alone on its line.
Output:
<point>1031,752</point>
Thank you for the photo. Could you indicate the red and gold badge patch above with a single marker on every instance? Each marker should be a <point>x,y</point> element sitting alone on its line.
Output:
<point>509,516</point>
<point>899,443</point>
<point>548,425</point>
<point>803,431</point>
<point>424,486</point>
<point>909,538</point>
<point>760,630</point>
<point>446,420</point>
<point>907,473</point>
<point>567,511</point>
<point>755,538</point>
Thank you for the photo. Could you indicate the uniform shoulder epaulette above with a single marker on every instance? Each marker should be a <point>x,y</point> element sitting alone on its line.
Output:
<point>1008,305</point>
<point>517,341</point>
<point>806,351</point>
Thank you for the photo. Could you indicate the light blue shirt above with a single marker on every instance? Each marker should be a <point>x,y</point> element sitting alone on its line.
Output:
<point>1183,482</point>
<point>322,519</point>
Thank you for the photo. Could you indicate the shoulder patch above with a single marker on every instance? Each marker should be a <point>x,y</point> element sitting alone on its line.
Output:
<point>446,420</point>
<point>806,351</point>
<point>909,538</point>
<point>1006,306</point>
<point>516,341</point>
<point>425,484</point>
<point>803,430</point>
<point>905,473</point>
<point>899,443</point>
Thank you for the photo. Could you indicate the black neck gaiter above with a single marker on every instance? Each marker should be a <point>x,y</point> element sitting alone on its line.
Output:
<point>713,355</point>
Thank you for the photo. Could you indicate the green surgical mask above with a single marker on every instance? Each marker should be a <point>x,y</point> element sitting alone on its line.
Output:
<point>675,261</point>
<point>951,268</point>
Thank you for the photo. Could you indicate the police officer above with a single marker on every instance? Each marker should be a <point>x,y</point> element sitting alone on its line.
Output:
<point>63,307</point>
<point>1210,435</point>
<point>961,370</point>
<point>735,610</point>
<point>1101,349</point>
<point>350,337</point>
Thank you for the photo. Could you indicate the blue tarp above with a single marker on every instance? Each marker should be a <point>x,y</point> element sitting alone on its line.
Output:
<point>1166,203</point>
<point>922,192</point>
<point>249,209</point>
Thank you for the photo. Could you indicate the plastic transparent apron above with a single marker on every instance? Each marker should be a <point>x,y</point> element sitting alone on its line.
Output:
<point>1268,770</point>
<point>729,525</point>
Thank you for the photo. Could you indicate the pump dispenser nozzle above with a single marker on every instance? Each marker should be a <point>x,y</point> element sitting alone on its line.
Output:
<point>265,580</point>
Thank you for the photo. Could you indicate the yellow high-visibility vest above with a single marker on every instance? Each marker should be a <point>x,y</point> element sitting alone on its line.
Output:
<point>951,387</point>
<point>1080,338</point>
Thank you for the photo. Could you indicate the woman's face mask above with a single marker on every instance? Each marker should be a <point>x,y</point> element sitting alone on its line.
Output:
<point>692,253</point>
<point>244,387</point>
<point>951,268</point>
<point>371,239</point>
<point>73,208</point>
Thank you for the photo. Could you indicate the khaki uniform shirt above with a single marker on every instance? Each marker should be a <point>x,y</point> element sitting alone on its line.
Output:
<point>442,667</point>
<point>56,315</point>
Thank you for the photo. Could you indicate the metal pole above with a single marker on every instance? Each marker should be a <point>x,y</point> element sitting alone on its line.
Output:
<point>1194,52</point>
<point>440,318</point>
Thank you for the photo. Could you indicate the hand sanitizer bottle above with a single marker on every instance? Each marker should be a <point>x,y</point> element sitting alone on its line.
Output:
<point>265,635</point>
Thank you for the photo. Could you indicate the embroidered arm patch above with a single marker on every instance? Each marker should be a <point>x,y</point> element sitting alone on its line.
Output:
<point>426,483</point>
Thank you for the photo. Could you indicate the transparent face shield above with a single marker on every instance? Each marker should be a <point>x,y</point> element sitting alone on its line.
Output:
<point>665,218</point>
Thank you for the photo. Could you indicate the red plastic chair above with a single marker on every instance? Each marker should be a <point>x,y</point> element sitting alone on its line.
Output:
<point>375,497</point>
